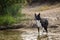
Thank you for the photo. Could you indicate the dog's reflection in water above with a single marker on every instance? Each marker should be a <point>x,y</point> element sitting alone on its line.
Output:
<point>42,37</point>
<point>38,37</point>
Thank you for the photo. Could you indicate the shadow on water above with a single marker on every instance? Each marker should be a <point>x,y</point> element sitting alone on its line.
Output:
<point>10,35</point>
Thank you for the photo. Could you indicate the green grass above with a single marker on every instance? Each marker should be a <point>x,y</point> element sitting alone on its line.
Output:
<point>11,15</point>
<point>7,20</point>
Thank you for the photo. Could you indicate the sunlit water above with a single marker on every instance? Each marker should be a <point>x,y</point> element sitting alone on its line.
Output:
<point>32,35</point>
<point>26,34</point>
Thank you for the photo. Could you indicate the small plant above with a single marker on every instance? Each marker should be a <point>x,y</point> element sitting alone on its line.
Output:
<point>7,20</point>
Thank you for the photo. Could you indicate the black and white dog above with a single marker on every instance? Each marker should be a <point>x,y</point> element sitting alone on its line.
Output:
<point>41,23</point>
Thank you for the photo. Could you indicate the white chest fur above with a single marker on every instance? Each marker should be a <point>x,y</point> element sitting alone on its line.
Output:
<point>38,23</point>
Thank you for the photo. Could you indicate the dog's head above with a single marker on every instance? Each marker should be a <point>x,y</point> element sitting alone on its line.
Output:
<point>37,14</point>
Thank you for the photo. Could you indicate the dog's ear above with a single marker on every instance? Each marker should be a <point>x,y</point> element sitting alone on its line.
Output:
<point>39,14</point>
<point>35,14</point>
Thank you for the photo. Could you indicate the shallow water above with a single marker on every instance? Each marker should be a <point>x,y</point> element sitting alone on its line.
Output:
<point>25,34</point>
<point>10,35</point>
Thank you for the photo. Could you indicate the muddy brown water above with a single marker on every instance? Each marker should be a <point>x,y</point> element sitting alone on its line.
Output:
<point>27,34</point>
